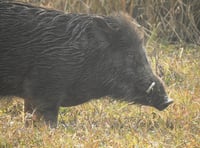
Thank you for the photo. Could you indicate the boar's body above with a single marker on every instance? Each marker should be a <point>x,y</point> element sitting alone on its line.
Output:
<point>53,59</point>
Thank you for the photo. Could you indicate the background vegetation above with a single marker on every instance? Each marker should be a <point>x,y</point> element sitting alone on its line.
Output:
<point>172,30</point>
<point>173,20</point>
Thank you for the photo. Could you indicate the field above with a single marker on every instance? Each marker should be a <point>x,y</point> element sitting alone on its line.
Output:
<point>106,123</point>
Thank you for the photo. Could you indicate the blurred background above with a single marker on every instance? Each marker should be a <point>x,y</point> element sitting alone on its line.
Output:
<point>167,20</point>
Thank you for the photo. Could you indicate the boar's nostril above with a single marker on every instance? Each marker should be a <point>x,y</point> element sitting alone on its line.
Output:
<point>165,104</point>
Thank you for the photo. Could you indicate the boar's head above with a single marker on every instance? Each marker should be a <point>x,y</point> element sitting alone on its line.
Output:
<point>124,70</point>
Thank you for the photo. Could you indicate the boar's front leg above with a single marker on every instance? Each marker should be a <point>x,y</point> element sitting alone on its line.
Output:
<point>40,112</point>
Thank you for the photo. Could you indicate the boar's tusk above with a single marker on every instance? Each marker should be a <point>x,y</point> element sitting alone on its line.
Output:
<point>150,87</point>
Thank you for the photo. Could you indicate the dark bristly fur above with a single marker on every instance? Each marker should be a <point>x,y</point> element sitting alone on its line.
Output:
<point>53,59</point>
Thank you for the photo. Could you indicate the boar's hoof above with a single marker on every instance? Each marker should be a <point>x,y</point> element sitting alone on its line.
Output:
<point>164,104</point>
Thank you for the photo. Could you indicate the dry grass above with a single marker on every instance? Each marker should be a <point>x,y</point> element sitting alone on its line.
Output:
<point>175,21</point>
<point>106,123</point>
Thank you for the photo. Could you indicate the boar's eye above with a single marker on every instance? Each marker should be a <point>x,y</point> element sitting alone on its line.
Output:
<point>150,87</point>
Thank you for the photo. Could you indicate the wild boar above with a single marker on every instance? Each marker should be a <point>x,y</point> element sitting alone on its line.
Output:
<point>53,59</point>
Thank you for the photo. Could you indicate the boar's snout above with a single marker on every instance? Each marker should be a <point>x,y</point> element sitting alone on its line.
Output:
<point>167,101</point>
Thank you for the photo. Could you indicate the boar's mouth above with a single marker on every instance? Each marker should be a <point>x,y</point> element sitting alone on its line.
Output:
<point>167,101</point>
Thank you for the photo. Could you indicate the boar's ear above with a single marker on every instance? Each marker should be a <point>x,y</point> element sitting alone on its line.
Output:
<point>103,29</point>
